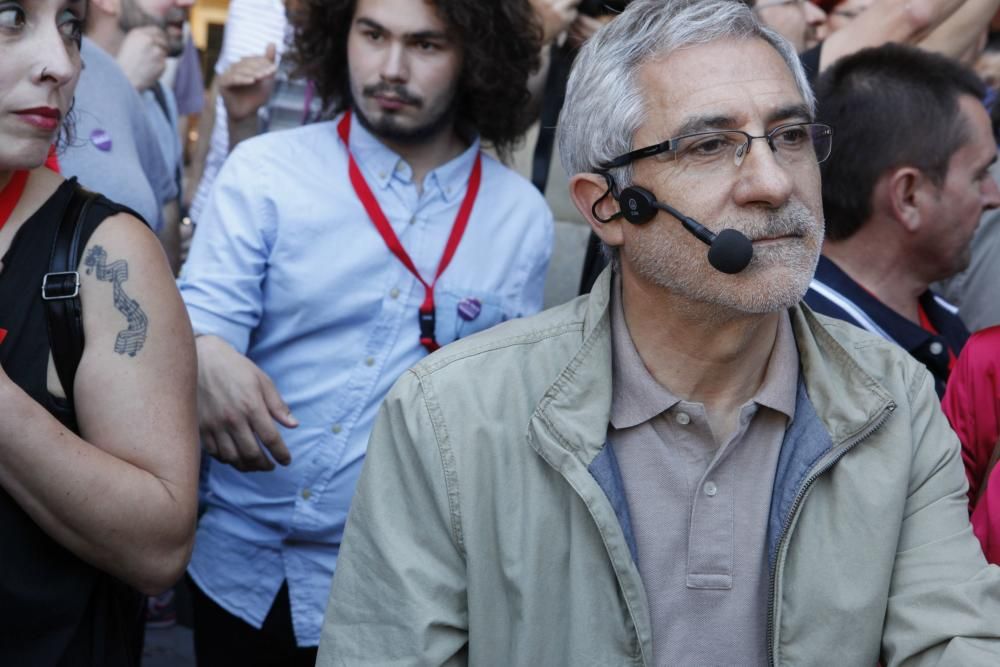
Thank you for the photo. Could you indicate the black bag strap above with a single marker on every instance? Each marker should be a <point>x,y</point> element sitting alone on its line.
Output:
<point>561,59</point>
<point>161,101</point>
<point>61,291</point>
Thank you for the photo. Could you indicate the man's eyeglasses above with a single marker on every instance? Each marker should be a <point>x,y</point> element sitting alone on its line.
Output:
<point>792,144</point>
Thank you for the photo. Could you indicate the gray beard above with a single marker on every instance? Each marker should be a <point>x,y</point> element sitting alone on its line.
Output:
<point>693,279</point>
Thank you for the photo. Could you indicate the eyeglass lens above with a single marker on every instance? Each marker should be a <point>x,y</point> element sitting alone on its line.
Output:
<point>791,144</point>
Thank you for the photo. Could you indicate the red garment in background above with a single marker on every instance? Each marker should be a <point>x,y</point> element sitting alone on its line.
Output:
<point>972,404</point>
<point>52,161</point>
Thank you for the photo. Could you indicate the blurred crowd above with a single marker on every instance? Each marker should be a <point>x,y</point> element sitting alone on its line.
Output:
<point>237,266</point>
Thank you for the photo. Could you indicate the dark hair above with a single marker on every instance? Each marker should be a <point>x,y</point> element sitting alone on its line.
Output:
<point>500,42</point>
<point>890,106</point>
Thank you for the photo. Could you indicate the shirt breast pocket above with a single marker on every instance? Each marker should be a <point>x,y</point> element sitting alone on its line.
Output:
<point>461,313</point>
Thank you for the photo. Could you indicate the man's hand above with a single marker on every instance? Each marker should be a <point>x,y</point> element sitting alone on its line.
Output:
<point>584,27</point>
<point>555,16</point>
<point>246,86</point>
<point>143,56</point>
<point>236,405</point>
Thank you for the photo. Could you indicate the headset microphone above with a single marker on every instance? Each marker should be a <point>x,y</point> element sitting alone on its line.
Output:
<point>729,251</point>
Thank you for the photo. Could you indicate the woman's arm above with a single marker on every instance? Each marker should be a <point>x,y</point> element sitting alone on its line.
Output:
<point>123,495</point>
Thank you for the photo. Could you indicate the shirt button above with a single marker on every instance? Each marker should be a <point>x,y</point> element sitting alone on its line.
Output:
<point>936,348</point>
<point>413,220</point>
<point>369,361</point>
<point>337,428</point>
<point>394,293</point>
<point>306,494</point>
<point>381,174</point>
<point>683,418</point>
<point>711,489</point>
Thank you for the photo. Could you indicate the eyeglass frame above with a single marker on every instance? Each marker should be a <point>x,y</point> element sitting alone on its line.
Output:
<point>668,145</point>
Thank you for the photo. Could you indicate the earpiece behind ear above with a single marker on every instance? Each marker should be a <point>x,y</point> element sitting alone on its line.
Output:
<point>638,205</point>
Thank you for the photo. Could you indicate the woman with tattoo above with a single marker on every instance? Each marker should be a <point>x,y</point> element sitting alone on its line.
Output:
<point>98,478</point>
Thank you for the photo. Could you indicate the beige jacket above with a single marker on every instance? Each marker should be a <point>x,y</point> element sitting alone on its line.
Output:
<point>490,527</point>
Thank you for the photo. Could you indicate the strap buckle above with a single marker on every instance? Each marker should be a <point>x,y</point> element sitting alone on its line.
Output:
<point>55,285</point>
<point>427,320</point>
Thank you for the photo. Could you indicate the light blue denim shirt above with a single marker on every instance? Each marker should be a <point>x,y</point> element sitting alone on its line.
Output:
<point>287,267</point>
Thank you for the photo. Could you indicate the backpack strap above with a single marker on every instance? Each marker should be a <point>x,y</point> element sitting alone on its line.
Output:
<point>61,291</point>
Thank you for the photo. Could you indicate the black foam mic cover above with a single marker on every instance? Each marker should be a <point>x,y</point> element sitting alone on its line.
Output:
<point>730,251</point>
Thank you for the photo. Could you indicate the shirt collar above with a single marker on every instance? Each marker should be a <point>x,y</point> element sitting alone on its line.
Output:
<point>381,164</point>
<point>908,335</point>
<point>637,397</point>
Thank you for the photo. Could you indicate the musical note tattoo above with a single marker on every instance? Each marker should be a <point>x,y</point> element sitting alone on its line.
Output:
<point>130,340</point>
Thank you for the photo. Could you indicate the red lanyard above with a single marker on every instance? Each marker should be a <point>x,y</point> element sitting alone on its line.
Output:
<point>11,194</point>
<point>392,241</point>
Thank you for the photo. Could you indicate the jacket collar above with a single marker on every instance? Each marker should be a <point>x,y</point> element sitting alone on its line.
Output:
<point>578,404</point>
<point>569,426</point>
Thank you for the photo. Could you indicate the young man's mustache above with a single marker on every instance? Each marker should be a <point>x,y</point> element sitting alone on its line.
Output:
<point>396,91</point>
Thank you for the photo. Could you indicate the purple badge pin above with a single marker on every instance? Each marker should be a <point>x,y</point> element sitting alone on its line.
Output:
<point>101,139</point>
<point>469,308</point>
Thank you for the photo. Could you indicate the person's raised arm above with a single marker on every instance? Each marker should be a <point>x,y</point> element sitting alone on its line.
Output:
<point>902,21</point>
<point>245,87</point>
<point>960,33</point>
<point>122,495</point>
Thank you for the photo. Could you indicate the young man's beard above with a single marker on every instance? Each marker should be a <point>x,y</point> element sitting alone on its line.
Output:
<point>388,129</point>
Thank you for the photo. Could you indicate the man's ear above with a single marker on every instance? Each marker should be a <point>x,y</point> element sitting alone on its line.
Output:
<point>586,189</point>
<point>905,193</point>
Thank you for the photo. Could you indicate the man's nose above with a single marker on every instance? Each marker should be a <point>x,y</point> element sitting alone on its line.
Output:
<point>763,179</point>
<point>815,16</point>
<point>394,65</point>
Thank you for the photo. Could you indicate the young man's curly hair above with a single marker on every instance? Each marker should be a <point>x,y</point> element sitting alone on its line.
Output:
<point>500,41</point>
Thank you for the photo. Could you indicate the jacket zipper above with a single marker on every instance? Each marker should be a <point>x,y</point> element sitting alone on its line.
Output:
<point>803,490</point>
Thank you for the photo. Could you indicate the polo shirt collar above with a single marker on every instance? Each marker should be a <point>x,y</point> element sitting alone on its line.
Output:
<point>907,334</point>
<point>637,397</point>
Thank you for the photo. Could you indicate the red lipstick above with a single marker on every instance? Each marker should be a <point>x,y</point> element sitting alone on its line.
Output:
<point>44,118</point>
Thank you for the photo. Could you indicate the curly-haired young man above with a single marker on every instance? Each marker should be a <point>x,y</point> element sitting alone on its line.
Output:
<point>330,259</point>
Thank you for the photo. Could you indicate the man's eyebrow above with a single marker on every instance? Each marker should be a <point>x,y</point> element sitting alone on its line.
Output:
<point>797,111</point>
<point>705,124</point>
<point>428,35</point>
<point>370,23</point>
<point>415,36</point>
<point>723,122</point>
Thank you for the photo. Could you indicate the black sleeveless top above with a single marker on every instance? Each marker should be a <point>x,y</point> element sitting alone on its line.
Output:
<point>54,608</point>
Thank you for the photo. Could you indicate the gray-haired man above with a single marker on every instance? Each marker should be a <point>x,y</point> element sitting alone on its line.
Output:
<point>686,467</point>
